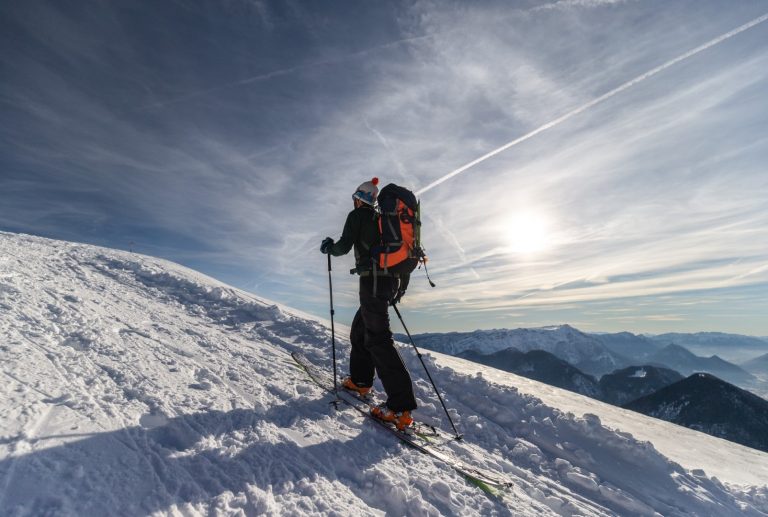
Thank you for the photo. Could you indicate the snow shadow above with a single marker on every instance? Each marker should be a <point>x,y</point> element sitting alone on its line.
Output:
<point>221,305</point>
<point>273,457</point>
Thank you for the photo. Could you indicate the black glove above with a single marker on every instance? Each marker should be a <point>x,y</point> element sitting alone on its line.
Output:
<point>326,246</point>
<point>402,286</point>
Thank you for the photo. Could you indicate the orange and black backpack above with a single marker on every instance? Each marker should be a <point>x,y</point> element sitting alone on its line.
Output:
<point>400,249</point>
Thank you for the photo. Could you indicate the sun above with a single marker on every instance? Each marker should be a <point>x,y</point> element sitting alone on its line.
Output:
<point>527,233</point>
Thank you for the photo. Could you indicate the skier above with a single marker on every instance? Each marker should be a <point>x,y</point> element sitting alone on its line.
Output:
<point>373,348</point>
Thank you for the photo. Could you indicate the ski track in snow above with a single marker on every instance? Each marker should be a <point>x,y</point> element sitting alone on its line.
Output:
<point>134,386</point>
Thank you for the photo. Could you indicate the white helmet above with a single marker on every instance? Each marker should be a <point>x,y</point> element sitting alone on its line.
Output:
<point>367,192</point>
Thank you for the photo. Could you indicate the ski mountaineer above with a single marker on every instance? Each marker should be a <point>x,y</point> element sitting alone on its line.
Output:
<point>373,348</point>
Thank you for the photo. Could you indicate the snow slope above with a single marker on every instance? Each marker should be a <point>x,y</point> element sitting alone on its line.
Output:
<point>728,461</point>
<point>133,386</point>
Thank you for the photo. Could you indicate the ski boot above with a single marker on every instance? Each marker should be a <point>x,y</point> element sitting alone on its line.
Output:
<point>361,391</point>
<point>401,419</point>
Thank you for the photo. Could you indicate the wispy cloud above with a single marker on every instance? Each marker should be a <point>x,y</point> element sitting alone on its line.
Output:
<point>669,210</point>
<point>594,102</point>
<point>220,88</point>
<point>570,4</point>
<point>257,129</point>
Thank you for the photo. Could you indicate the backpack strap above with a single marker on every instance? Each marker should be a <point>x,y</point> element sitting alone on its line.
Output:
<point>375,278</point>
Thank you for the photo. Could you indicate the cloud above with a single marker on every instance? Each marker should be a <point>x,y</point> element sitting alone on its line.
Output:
<point>594,102</point>
<point>631,214</point>
<point>259,126</point>
<point>570,4</point>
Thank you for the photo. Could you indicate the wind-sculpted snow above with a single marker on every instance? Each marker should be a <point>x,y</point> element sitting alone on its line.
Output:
<point>134,386</point>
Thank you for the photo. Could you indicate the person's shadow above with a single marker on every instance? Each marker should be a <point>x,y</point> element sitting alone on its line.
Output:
<point>191,459</point>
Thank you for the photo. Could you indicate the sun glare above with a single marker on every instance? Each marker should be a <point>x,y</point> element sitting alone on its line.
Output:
<point>527,233</point>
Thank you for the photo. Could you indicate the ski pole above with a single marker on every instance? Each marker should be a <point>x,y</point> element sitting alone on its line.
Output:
<point>333,329</point>
<point>458,436</point>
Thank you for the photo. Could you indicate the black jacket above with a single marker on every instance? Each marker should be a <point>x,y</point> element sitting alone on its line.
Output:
<point>361,230</point>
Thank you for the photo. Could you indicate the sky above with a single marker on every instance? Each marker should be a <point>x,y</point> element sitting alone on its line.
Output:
<point>230,135</point>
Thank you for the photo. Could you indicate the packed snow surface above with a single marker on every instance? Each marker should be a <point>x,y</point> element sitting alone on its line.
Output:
<point>134,386</point>
<point>727,461</point>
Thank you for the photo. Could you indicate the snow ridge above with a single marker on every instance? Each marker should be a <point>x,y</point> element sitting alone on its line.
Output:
<point>136,386</point>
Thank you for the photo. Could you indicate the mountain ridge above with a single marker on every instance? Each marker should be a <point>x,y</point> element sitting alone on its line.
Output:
<point>757,365</point>
<point>593,354</point>
<point>564,341</point>
<point>634,382</point>
<point>541,366</point>
<point>706,403</point>
<point>683,360</point>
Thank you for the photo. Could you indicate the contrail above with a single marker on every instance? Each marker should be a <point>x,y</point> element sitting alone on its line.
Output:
<point>596,101</point>
<point>253,79</point>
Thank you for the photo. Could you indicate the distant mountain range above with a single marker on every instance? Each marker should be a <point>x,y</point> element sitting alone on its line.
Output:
<point>584,351</point>
<point>615,388</point>
<point>758,365</point>
<point>540,366</point>
<point>682,360</point>
<point>635,348</point>
<point>632,383</point>
<point>707,343</point>
<point>596,354</point>
<point>567,358</point>
<point>708,404</point>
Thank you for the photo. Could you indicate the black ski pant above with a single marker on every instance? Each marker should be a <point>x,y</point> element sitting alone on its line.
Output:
<point>373,347</point>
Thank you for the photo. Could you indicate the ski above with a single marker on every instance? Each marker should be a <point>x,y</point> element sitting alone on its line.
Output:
<point>419,429</point>
<point>426,439</point>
